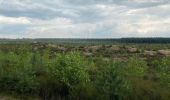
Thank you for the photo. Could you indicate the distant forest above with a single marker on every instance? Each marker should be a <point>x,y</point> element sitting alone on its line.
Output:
<point>102,41</point>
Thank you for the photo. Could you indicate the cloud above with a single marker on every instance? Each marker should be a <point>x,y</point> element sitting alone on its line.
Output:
<point>11,20</point>
<point>84,18</point>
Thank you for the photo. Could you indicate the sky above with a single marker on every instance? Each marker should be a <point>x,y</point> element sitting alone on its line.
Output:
<point>84,18</point>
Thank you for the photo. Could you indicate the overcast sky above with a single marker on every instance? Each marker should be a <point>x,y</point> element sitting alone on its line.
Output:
<point>84,18</point>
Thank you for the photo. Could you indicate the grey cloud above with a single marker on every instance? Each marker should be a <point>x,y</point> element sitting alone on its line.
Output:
<point>42,11</point>
<point>129,3</point>
<point>110,18</point>
<point>76,9</point>
<point>142,3</point>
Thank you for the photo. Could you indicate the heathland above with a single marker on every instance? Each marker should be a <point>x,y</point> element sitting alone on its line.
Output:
<point>44,70</point>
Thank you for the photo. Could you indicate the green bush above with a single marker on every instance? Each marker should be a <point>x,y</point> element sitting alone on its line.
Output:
<point>68,71</point>
<point>109,82</point>
<point>162,67</point>
<point>17,73</point>
<point>34,73</point>
<point>71,76</point>
<point>135,67</point>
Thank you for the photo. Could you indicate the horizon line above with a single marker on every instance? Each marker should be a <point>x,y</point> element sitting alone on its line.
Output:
<point>83,38</point>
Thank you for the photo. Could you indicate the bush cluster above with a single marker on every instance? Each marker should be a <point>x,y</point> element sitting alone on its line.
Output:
<point>71,76</point>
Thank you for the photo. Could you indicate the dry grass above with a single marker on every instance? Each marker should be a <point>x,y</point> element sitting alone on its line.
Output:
<point>150,53</point>
<point>164,52</point>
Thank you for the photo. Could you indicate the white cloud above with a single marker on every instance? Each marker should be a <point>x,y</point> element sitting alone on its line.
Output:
<point>95,18</point>
<point>59,27</point>
<point>154,21</point>
<point>12,20</point>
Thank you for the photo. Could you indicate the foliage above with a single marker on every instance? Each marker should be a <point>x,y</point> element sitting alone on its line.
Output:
<point>110,82</point>
<point>34,73</point>
<point>162,67</point>
<point>53,75</point>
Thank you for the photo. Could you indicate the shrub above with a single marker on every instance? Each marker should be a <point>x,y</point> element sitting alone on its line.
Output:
<point>65,72</point>
<point>109,82</point>
<point>33,73</point>
<point>162,67</point>
<point>135,67</point>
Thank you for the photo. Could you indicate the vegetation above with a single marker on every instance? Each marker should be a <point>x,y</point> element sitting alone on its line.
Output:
<point>84,72</point>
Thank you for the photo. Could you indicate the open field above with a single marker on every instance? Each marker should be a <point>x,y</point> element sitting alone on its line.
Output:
<point>84,71</point>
